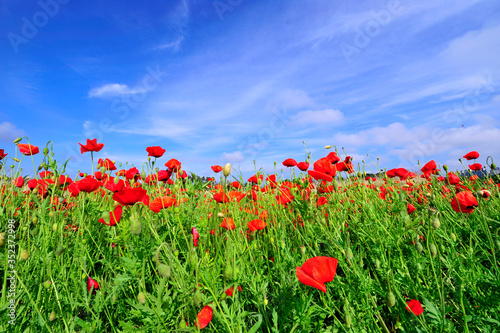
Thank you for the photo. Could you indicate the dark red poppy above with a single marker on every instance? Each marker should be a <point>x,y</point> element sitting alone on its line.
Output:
<point>216,168</point>
<point>464,202</point>
<point>113,186</point>
<point>164,175</point>
<point>64,180</point>
<point>88,184</point>
<point>415,307</point>
<point>471,155</point>
<point>2,155</point>
<point>256,225</point>
<point>27,149</point>
<point>196,236</point>
<point>132,173</point>
<point>130,196</point>
<point>204,317</point>
<point>155,151</point>
<point>475,167</point>
<point>91,145</point>
<point>316,271</point>
<point>162,202</point>
<point>114,216</point>
<point>173,165</point>
<point>410,209</point>
<point>107,164</point>
<point>289,162</point>
<point>303,166</point>
<point>92,284</point>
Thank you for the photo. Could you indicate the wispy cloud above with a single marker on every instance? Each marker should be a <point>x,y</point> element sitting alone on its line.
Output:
<point>9,131</point>
<point>327,117</point>
<point>114,89</point>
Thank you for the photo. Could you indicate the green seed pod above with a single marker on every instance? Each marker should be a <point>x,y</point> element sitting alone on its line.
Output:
<point>228,273</point>
<point>197,298</point>
<point>45,151</point>
<point>445,167</point>
<point>433,250</point>
<point>453,236</point>
<point>390,299</point>
<point>135,226</point>
<point>52,316</point>
<point>25,255</point>
<point>349,255</point>
<point>143,175</point>
<point>377,263</point>
<point>141,297</point>
<point>52,214</point>
<point>436,223</point>
<point>17,140</point>
<point>419,247</point>
<point>60,250</point>
<point>493,166</point>
<point>34,220</point>
<point>164,270</point>
<point>54,227</point>
<point>2,239</point>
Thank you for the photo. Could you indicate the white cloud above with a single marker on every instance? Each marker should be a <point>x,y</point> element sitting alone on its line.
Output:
<point>114,89</point>
<point>174,46</point>
<point>318,117</point>
<point>9,131</point>
<point>159,127</point>
<point>236,156</point>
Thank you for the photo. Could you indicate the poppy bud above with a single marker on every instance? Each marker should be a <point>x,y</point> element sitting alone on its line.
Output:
<point>143,175</point>
<point>228,272</point>
<point>266,302</point>
<point>54,227</point>
<point>303,249</point>
<point>47,284</point>
<point>59,250</point>
<point>445,167</point>
<point>34,220</point>
<point>227,170</point>
<point>453,236</point>
<point>52,316</point>
<point>46,167</point>
<point>17,140</point>
<point>16,159</point>
<point>433,250</point>
<point>197,298</point>
<point>436,223</point>
<point>135,226</point>
<point>141,297</point>
<point>377,263</point>
<point>419,247</point>
<point>328,147</point>
<point>390,299</point>
<point>45,151</point>
<point>221,215</point>
<point>25,255</point>
<point>349,255</point>
<point>2,239</point>
<point>164,270</point>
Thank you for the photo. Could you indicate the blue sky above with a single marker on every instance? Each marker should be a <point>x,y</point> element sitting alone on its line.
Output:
<point>236,80</point>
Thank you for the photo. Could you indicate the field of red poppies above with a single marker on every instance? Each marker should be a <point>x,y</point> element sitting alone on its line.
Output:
<point>326,248</point>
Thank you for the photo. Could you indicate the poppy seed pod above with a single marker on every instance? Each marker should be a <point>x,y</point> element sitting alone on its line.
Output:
<point>493,166</point>
<point>390,299</point>
<point>445,167</point>
<point>197,298</point>
<point>60,250</point>
<point>433,250</point>
<point>419,247</point>
<point>228,272</point>
<point>164,270</point>
<point>52,316</point>
<point>135,226</point>
<point>2,239</point>
<point>436,223</point>
<point>227,170</point>
<point>141,297</point>
<point>25,255</point>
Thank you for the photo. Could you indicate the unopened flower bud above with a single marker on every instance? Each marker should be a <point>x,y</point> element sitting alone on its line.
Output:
<point>17,140</point>
<point>141,297</point>
<point>227,170</point>
<point>328,147</point>
<point>45,151</point>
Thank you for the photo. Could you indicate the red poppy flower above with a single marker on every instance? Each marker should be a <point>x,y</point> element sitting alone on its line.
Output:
<point>173,165</point>
<point>2,155</point>
<point>256,225</point>
<point>429,168</point>
<point>236,195</point>
<point>236,184</point>
<point>475,167</point>
<point>164,175</point>
<point>91,145</point>
<point>320,175</point>
<point>285,196</point>
<point>106,163</point>
<point>229,291</point>
<point>464,202</point>
<point>228,223</point>
<point>155,151</point>
<point>73,189</point>
<point>204,317</point>
<point>196,236</point>
<point>471,155</point>
<point>316,271</point>
<point>91,283</point>
<point>453,179</point>
<point>221,197</point>
<point>289,162</point>
<point>27,149</point>
<point>415,307</point>
<point>114,216</point>
<point>410,209</point>
<point>216,168</point>
<point>321,201</point>
<point>88,184</point>
<point>130,196</point>
<point>346,165</point>
<point>112,186</point>
<point>303,166</point>
<point>19,182</point>
<point>162,202</point>
<point>132,173</point>
<point>254,179</point>
<point>64,180</point>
